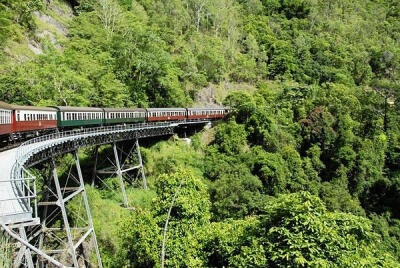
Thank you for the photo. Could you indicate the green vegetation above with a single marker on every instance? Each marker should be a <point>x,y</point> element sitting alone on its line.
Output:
<point>304,172</point>
<point>6,251</point>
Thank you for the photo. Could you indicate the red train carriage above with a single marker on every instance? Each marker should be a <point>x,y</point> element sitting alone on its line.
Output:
<point>5,119</point>
<point>206,113</point>
<point>33,119</point>
<point>165,114</point>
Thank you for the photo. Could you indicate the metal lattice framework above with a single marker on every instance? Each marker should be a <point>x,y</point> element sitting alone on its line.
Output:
<point>20,192</point>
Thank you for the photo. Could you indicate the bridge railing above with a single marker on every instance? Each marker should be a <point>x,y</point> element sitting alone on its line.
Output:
<point>25,182</point>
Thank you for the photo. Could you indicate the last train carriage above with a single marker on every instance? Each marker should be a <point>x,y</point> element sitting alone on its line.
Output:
<point>23,122</point>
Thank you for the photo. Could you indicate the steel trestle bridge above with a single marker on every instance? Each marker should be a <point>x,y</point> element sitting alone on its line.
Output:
<point>19,196</point>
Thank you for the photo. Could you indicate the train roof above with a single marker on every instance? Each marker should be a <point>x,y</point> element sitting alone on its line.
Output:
<point>166,109</point>
<point>34,108</point>
<point>77,109</point>
<point>26,108</point>
<point>7,106</point>
<point>129,110</point>
<point>206,108</point>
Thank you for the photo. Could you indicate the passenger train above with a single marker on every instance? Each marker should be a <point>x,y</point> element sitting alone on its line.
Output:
<point>22,122</point>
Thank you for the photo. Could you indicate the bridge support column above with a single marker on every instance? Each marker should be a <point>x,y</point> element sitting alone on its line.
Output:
<point>89,216</point>
<point>61,204</point>
<point>123,164</point>
<point>71,238</point>
<point>23,252</point>
<point>119,173</point>
<point>141,164</point>
<point>41,261</point>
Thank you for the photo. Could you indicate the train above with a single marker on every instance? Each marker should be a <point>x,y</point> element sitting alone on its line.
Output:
<point>18,123</point>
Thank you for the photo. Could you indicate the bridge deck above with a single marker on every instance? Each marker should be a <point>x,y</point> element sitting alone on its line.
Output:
<point>12,209</point>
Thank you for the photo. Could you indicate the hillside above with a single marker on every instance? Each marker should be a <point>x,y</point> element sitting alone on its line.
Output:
<point>305,170</point>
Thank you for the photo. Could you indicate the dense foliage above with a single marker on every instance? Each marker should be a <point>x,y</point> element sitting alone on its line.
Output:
<point>304,172</point>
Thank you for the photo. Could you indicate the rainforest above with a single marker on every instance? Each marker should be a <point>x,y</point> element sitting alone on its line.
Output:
<point>303,172</point>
